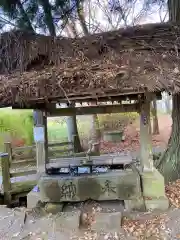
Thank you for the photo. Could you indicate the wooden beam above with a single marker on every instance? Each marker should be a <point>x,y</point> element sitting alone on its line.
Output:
<point>101,98</point>
<point>34,105</point>
<point>107,97</point>
<point>89,110</point>
<point>43,104</point>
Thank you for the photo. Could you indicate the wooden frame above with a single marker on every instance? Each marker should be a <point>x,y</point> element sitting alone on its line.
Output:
<point>42,104</point>
<point>106,109</point>
<point>10,160</point>
<point>13,158</point>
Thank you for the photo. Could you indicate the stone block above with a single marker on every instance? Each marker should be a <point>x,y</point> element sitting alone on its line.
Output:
<point>135,205</point>
<point>33,198</point>
<point>157,203</point>
<point>53,208</point>
<point>117,185</point>
<point>154,190</point>
<point>153,184</point>
<point>106,221</point>
<point>68,220</point>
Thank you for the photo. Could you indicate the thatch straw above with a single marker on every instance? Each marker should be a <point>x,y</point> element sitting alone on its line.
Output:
<point>36,67</point>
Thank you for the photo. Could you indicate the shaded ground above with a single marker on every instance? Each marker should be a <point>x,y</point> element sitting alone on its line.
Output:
<point>22,225</point>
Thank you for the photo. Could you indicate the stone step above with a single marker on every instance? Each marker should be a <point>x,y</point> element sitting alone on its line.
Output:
<point>113,235</point>
<point>99,206</point>
<point>67,220</point>
<point>106,221</point>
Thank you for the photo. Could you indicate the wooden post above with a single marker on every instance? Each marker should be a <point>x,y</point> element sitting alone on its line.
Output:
<point>8,149</point>
<point>76,144</point>
<point>39,138</point>
<point>146,156</point>
<point>45,138</point>
<point>6,179</point>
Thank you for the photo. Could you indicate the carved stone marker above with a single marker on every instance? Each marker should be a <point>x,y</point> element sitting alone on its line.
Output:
<point>120,185</point>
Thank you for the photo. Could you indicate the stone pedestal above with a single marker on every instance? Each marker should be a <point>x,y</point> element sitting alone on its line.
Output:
<point>117,185</point>
<point>154,190</point>
<point>153,187</point>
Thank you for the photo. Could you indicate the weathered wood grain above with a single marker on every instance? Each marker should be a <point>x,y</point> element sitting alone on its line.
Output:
<point>6,178</point>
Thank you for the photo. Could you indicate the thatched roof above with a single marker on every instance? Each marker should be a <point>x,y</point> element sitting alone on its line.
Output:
<point>135,59</point>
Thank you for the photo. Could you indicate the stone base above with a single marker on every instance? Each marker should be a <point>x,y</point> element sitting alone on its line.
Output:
<point>157,203</point>
<point>154,190</point>
<point>33,199</point>
<point>117,185</point>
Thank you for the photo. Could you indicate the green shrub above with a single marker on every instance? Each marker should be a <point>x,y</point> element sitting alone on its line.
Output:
<point>16,125</point>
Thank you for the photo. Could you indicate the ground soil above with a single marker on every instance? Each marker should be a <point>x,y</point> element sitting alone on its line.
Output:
<point>23,225</point>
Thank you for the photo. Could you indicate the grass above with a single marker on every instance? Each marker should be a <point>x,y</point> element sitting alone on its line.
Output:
<point>57,132</point>
<point>16,126</point>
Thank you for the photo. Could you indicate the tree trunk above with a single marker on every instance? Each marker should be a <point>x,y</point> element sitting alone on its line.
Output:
<point>72,27</point>
<point>80,11</point>
<point>25,17</point>
<point>155,118</point>
<point>174,7</point>
<point>73,131</point>
<point>71,30</point>
<point>169,163</point>
<point>96,133</point>
<point>167,100</point>
<point>48,16</point>
<point>71,120</point>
